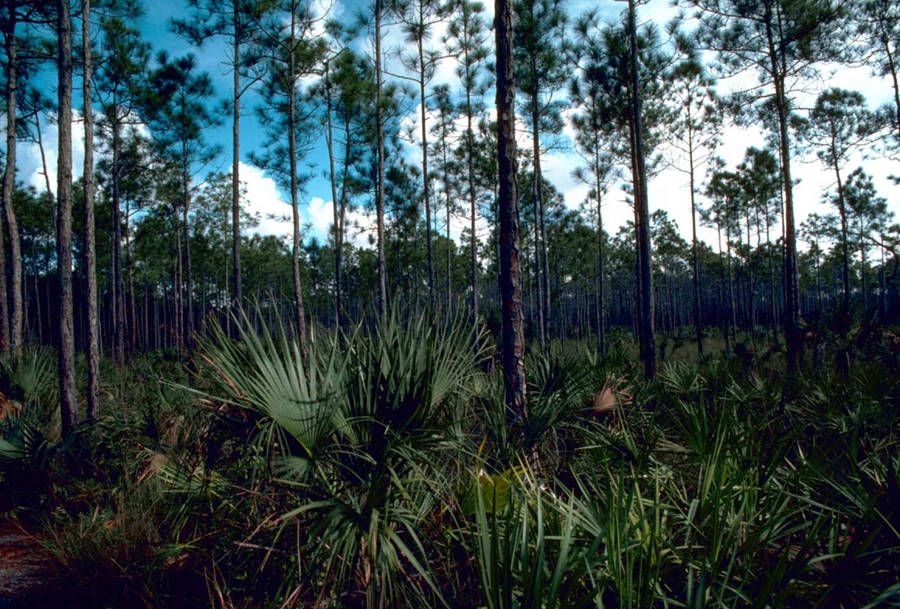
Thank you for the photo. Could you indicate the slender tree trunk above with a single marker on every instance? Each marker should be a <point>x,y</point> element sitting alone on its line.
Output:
<point>538,284</point>
<point>751,296</point>
<point>645,278</point>
<point>447,208</point>
<point>379,186</point>
<point>238,295</point>
<point>540,232</point>
<point>9,171</point>
<point>14,292</point>
<point>335,203</point>
<point>68,399</point>
<point>179,293</point>
<point>299,313</point>
<point>513,332</point>
<point>117,282</point>
<point>426,185</point>
<point>773,305</point>
<point>129,297</point>
<point>792,303</point>
<point>601,279</point>
<point>732,308</point>
<point>842,210</point>
<point>188,274</point>
<point>90,253</point>
<point>470,174</point>
<point>722,284</point>
<point>695,263</point>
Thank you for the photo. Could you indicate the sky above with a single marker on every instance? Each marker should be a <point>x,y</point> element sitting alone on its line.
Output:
<point>668,190</point>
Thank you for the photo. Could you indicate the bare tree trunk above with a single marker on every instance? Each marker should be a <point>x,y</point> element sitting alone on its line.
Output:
<point>695,263</point>
<point>300,315</point>
<point>188,275</point>
<point>470,174</point>
<point>379,186</point>
<point>179,289</point>
<point>9,172</point>
<point>90,252</point>
<point>792,303</point>
<point>14,291</point>
<point>513,331</point>
<point>68,399</point>
<point>842,209</point>
<point>335,203</point>
<point>601,271</point>
<point>117,283</point>
<point>237,305</point>
<point>542,270</point>
<point>129,297</point>
<point>645,278</point>
<point>426,185</point>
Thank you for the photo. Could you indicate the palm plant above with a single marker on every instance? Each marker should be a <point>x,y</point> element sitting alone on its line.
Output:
<point>357,429</point>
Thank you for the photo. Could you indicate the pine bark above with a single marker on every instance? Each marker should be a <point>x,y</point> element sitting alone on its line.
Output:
<point>513,332</point>
<point>90,252</point>
<point>645,278</point>
<point>379,186</point>
<point>14,291</point>
<point>68,399</point>
<point>235,171</point>
<point>299,313</point>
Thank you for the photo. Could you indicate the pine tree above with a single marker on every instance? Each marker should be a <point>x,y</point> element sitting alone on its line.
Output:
<point>237,22</point>
<point>781,40</point>
<point>540,72</point>
<point>176,109</point>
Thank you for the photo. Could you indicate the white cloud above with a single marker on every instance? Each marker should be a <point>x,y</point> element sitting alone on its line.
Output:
<point>264,200</point>
<point>28,154</point>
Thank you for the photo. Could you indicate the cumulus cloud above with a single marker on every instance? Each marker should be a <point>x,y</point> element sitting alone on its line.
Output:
<point>264,200</point>
<point>28,154</point>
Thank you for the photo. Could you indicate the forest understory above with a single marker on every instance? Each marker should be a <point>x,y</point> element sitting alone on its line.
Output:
<point>380,469</point>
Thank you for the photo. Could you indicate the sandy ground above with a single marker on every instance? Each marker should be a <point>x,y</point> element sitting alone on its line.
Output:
<point>22,568</point>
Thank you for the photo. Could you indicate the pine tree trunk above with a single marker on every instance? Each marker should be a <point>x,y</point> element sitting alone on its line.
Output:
<point>9,171</point>
<point>188,275</point>
<point>695,263</point>
<point>68,399</point>
<point>335,203</point>
<point>117,282</point>
<point>645,278</point>
<point>299,313</point>
<point>379,186</point>
<point>513,333</point>
<point>539,231</point>
<point>14,291</point>
<point>845,254</point>
<point>470,171</point>
<point>426,185</point>
<point>238,296</point>
<point>792,303</point>
<point>90,252</point>
<point>601,280</point>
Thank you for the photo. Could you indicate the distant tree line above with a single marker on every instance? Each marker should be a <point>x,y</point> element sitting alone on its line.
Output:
<point>154,243</point>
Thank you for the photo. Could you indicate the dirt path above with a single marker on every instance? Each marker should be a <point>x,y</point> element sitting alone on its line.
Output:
<point>23,568</point>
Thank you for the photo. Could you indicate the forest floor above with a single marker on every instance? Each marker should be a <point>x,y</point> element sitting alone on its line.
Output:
<point>23,567</point>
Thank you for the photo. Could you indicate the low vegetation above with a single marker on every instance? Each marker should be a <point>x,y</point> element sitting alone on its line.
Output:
<point>378,469</point>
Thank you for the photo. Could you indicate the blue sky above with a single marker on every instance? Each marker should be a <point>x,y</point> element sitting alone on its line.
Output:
<point>667,191</point>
